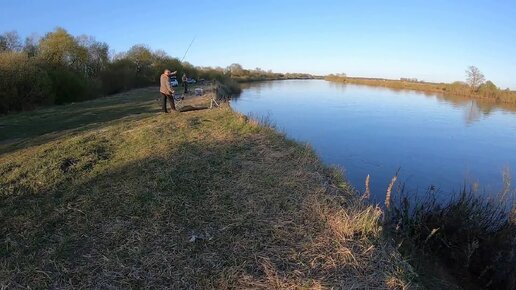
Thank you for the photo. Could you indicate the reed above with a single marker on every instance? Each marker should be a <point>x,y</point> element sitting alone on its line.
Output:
<point>473,236</point>
<point>367,192</point>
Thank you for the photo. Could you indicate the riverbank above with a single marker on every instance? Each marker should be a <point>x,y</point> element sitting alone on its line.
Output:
<point>372,131</point>
<point>113,193</point>
<point>486,93</point>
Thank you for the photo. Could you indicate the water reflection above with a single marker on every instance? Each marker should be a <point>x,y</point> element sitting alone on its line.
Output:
<point>474,109</point>
<point>259,86</point>
<point>472,113</point>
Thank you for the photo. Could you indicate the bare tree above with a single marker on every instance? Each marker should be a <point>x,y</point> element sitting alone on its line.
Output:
<point>474,77</point>
<point>10,41</point>
<point>235,69</point>
<point>31,45</point>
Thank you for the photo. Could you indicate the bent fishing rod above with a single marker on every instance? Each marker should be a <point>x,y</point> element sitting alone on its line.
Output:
<point>191,42</point>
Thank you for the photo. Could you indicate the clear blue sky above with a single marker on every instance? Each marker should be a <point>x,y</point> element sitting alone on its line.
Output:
<point>430,40</point>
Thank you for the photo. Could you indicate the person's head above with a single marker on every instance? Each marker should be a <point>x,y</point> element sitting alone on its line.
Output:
<point>166,72</point>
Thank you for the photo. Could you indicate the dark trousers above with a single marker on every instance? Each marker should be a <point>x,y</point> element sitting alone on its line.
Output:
<point>170,100</point>
<point>185,84</point>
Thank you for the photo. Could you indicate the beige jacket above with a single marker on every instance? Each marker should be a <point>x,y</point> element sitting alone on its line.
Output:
<point>165,85</point>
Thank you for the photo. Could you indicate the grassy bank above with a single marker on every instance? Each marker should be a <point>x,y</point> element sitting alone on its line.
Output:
<point>112,193</point>
<point>485,92</point>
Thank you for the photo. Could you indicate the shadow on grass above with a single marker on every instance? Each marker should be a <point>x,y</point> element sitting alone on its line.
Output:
<point>38,127</point>
<point>206,215</point>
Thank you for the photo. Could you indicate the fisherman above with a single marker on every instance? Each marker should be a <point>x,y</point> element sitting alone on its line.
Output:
<point>184,82</point>
<point>166,91</point>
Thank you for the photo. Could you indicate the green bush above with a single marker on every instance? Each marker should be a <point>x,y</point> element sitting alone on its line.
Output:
<point>119,76</point>
<point>68,86</point>
<point>23,83</point>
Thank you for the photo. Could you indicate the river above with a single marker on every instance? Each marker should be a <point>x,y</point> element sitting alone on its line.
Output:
<point>435,141</point>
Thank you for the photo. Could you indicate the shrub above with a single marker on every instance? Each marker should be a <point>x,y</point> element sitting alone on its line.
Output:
<point>489,90</point>
<point>470,234</point>
<point>68,86</point>
<point>119,76</point>
<point>23,83</point>
<point>230,86</point>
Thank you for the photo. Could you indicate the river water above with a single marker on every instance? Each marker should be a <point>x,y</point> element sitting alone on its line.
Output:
<point>434,141</point>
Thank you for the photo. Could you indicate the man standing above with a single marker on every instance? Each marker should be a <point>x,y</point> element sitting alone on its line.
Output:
<point>166,91</point>
<point>184,81</point>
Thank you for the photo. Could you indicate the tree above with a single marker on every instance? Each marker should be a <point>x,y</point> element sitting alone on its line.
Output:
<point>141,55</point>
<point>61,48</point>
<point>161,55</point>
<point>488,90</point>
<point>97,54</point>
<point>474,77</point>
<point>10,41</point>
<point>30,47</point>
<point>235,69</point>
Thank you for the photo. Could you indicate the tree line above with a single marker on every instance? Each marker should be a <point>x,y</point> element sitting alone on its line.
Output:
<point>475,86</point>
<point>240,74</point>
<point>60,68</point>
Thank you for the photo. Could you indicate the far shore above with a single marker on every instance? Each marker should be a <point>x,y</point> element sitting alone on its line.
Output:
<point>484,93</point>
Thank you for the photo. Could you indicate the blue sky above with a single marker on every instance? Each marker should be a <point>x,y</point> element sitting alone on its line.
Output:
<point>429,40</point>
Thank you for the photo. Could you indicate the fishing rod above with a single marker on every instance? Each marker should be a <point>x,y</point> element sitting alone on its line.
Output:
<point>191,42</point>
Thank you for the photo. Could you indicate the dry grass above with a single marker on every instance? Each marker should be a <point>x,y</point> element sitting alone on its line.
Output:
<point>204,199</point>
